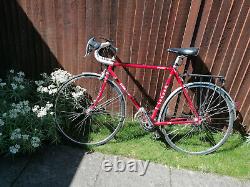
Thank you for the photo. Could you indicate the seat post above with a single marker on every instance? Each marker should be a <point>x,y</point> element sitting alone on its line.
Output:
<point>178,61</point>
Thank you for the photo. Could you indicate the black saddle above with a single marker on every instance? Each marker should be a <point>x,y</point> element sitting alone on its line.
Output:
<point>191,51</point>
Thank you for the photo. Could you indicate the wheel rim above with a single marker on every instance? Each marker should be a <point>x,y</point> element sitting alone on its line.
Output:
<point>215,111</point>
<point>82,125</point>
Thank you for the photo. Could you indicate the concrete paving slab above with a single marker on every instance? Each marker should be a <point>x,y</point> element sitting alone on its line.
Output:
<point>70,166</point>
<point>88,170</point>
<point>191,178</point>
<point>155,175</point>
<point>53,166</point>
<point>10,169</point>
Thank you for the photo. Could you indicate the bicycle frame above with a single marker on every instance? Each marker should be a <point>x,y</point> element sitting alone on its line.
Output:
<point>173,73</point>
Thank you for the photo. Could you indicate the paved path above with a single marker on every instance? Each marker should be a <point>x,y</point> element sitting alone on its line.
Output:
<point>68,166</point>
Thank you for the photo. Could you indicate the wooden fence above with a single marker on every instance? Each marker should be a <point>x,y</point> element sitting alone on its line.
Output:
<point>40,35</point>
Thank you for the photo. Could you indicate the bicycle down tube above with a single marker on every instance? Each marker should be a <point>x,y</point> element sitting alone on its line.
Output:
<point>173,73</point>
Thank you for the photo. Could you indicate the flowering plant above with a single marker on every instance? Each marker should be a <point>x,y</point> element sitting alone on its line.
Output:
<point>26,111</point>
<point>248,138</point>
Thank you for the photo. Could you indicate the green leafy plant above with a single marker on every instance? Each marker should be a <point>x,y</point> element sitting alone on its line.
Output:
<point>27,117</point>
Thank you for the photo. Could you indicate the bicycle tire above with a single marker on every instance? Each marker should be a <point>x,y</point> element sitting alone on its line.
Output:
<point>71,111</point>
<point>206,133</point>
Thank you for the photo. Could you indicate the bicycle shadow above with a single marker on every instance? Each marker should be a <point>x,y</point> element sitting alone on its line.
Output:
<point>199,67</point>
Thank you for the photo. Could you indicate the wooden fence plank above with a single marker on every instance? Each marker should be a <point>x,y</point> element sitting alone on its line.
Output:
<point>40,35</point>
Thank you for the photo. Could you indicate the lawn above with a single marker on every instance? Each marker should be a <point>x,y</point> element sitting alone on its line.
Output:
<point>232,159</point>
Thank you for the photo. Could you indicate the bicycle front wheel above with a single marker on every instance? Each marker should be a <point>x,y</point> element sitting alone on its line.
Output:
<point>215,109</point>
<point>81,124</point>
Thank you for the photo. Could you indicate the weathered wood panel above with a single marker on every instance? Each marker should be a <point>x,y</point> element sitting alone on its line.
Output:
<point>40,35</point>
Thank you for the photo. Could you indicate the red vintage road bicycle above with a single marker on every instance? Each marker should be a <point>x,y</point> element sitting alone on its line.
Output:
<point>90,108</point>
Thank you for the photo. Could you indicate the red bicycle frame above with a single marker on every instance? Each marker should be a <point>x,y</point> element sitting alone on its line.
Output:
<point>173,73</point>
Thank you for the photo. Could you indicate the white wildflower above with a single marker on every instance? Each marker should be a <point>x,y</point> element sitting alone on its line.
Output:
<point>1,134</point>
<point>42,89</point>
<point>12,71</point>
<point>4,115</point>
<point>16,134</point>
<point>42,112</point>
<point>60,76</point>
<point>14,86</point>
<point>77,95</point>
<point>35,108</point>
<point>13,113</point>
<point>39,83</point>
<point>18,130</point>
<point>22,107</point>
<point>35,141</point>
<point>79,88</point>
<point>1,122</point>
<point>14,149</point>
<point>21,87</point>
<point>248,138</point>
<point>48,105</point>
<point>25,137</point>
<point>79,91</point>
<point>18,79</point>
<point>44,75</point>
<point>2,84</point>
<point>21,74</point>
<point>52,89</point>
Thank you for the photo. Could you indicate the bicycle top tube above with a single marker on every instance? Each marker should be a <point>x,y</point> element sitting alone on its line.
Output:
<point>119,63</point>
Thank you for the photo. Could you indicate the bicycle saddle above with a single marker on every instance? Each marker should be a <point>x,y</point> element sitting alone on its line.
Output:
<point>191,51</point>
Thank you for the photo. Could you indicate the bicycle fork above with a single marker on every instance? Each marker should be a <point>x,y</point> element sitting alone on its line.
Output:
<point>105,76</point>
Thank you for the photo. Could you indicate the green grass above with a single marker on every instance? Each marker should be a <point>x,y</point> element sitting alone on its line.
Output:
<point>232,159</point>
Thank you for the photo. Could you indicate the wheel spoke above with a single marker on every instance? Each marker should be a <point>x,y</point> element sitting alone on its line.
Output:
<point>108,102</point>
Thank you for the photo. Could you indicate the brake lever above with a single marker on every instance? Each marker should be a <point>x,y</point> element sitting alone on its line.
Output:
<point>92,44</point>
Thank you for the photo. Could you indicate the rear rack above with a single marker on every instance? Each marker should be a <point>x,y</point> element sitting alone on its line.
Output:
<point>216,79</point>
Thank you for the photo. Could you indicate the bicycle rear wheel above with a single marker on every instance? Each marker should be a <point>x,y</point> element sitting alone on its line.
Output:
<point>216,110</point>
<point>81,124</point>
